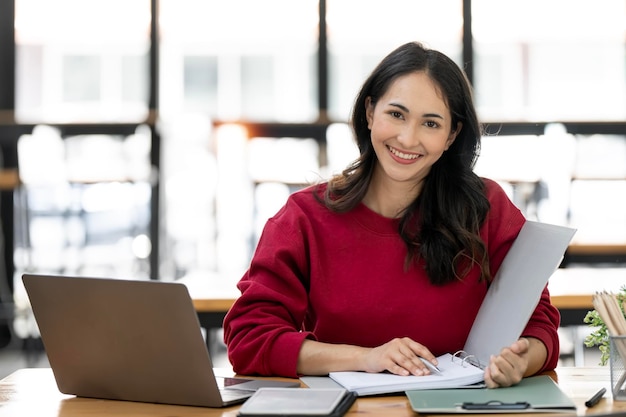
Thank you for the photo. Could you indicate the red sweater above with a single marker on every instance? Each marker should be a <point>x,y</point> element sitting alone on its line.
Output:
<point>340,278</point>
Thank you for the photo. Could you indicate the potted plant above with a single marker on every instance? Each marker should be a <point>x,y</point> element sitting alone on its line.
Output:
<point>600,333</point>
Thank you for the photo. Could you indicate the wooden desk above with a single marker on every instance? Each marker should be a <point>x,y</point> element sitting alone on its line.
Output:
<point>595,252</point>
<point>33,392</point>
<point>579,248</point>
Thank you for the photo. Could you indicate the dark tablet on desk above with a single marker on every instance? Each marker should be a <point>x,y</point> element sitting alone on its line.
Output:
<point>298,402</point>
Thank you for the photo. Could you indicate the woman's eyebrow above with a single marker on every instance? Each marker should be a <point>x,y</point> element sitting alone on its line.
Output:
<point>400,106</point>
<point>405,109</point>
<point>435,115</point>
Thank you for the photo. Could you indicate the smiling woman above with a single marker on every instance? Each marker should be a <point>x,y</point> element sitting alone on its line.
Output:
<point>346,272</point>
<point>411,127</point>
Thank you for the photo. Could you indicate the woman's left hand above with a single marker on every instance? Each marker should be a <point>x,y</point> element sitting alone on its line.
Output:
<point>509,367</point>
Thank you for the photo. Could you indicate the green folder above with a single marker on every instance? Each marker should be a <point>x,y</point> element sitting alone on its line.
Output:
<point>538,394</point>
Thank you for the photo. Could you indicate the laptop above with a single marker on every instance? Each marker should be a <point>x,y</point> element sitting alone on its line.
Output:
<point>130,340</point>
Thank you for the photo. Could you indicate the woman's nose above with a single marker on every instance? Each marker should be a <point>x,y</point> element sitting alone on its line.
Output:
<point>408,136</point>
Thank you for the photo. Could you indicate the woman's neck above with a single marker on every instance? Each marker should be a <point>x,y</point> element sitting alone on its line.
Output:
<point>390,198</point>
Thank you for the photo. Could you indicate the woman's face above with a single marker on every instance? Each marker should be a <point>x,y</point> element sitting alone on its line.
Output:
<point>411,127</point>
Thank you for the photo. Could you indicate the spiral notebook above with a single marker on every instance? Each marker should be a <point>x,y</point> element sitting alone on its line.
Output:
<point>456,371</point>
<point>505,311</point>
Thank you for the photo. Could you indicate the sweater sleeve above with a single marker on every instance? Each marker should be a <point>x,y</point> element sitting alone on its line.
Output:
<point>505,222</point>
<point>263,328</point>
<point>543,325</point>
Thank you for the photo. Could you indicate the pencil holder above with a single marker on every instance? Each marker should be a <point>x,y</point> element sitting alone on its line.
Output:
<point>617,361</point>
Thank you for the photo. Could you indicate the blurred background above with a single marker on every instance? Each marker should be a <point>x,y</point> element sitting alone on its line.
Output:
<point>151,139</point>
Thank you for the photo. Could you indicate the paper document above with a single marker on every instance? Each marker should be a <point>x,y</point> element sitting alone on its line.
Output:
<point>454,373</point>
<point>512,297</point>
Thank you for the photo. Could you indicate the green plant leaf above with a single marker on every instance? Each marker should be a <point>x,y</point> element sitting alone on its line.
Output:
<point>599,335</point>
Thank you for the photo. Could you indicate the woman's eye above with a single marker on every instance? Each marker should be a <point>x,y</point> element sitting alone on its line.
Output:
<point>432,124</point>
<point>396,114</point>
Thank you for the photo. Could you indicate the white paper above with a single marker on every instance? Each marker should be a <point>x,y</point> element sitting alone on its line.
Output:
<point>454,374</point>
<point>517,287</point>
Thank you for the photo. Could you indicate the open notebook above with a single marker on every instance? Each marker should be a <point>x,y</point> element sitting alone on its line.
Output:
<point>505,311</point>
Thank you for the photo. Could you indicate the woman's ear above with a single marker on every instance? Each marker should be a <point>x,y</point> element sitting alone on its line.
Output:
<point>453,135</point>
<point>369,112</point>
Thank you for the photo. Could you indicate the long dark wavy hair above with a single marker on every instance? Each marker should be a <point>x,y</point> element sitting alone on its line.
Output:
<point>441,226</point>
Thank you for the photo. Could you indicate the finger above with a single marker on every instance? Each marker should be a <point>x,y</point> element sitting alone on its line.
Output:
<point>512,363</point>
<point>489,380</point>
<point>514,358</point>
<point>403,365</point>
<point>505,363</point>
<point>520,346</point>
<point>496,374</point>
<point>422,358</point>
<point>398,370</point>
<point>422,351</point>
<point>503,372</point>
<point>410,357</point>
<point>412,363</point>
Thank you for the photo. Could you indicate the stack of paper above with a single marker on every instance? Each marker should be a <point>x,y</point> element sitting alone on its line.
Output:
<point>454,373</point>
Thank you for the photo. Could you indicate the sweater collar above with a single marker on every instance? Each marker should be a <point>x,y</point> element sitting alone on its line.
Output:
<point>373,221</point>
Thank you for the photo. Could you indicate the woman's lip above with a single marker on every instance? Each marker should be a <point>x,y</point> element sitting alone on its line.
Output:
<point>403,157</point>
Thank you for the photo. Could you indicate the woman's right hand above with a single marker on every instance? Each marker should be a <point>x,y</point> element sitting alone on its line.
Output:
<point>400,356</point>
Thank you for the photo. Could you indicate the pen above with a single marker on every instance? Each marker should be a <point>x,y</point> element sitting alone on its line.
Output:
<point>596,398</point>
<point>430,366</point>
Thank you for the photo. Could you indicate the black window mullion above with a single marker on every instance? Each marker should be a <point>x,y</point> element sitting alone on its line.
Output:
<point>8,135</point>
<point>155,144</point>
<point>7,56</point>
<point>322,64</point>
<point>468,45</point>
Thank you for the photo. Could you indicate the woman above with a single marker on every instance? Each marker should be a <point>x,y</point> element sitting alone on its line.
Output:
<point>389,261</point>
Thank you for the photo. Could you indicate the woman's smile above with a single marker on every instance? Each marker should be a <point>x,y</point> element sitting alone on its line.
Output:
<point>402,156</point>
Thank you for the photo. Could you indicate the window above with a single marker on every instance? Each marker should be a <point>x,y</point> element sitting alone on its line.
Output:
<point>534,63</point>
<point>361,32</point>
<point>81,61</point>
<point>550,61</point>
<point>200,83</point>
<point>81,79</point>
<point>242,59</point>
